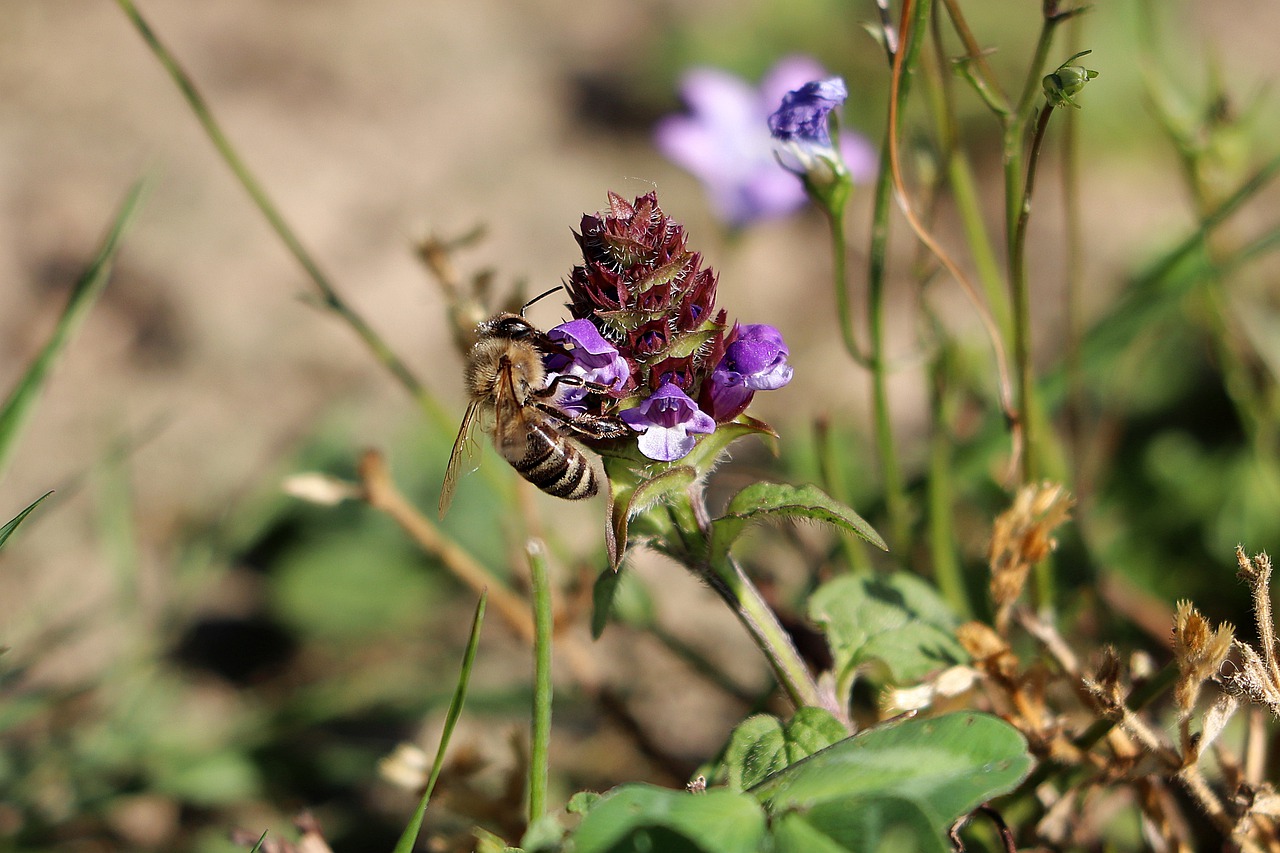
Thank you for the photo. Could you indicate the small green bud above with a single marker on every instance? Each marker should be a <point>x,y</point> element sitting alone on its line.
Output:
<point>1062,85</point>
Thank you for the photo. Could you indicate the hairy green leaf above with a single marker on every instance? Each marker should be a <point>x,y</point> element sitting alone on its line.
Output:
<point>862,824</point>
<point>948,765</point>
<point>762,745</point>
<point>898,620</point>
<point>645,817</point>
<point>767,501</point>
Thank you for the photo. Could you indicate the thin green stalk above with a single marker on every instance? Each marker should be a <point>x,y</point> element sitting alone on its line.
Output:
<point>840,283</point>
<point>833,482</point>
<point>1028,404</point>
<point>329,296</point>
<point>540,739</point>
<point>941,99</point>
<point>942,538</point>
<point>1022,308</point>
<point>731,583</point>
<point>1073,217</point>
<point>410,835</point>
<point>895,493</point>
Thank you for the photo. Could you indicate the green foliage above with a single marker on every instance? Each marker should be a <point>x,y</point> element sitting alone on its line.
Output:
<point>896,787</point>
<point>18,405</point>
<point>770,501</point>
<point>762,744</point>
<point>896,620</point>
<point>644,817</point>
<point>12,524</point>
<point>946,766</point>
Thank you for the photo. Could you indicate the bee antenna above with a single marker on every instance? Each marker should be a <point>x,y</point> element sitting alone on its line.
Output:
<point>541,296</point>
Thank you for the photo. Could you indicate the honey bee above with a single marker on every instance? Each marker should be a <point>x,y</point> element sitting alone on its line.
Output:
<point>511,395</point>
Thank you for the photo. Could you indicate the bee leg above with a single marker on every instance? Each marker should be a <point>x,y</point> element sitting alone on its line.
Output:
<point>553,386</point>
<point>598,427</point>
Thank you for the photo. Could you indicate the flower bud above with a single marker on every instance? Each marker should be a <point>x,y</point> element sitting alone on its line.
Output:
<point>1061,87</point>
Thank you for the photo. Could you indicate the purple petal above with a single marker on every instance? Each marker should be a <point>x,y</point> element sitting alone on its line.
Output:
<point>665,420</point>
<point>584,336</point>
<point>803,114</point>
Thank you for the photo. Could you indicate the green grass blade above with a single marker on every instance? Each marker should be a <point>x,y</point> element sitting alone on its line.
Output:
<point>540,739</point>
<point>406,842</point>
<point>7,530</point>
<point>16,409</point>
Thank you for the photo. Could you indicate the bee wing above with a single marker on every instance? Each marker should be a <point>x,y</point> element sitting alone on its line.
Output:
<point>455,457</point>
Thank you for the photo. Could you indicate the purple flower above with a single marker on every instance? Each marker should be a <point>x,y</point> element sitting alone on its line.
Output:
<point>756,360</point>
<point>591,358</point>
<point>800,128</point>
<point>665,421</point>
<point>803,114</point>
<point>725,141</point>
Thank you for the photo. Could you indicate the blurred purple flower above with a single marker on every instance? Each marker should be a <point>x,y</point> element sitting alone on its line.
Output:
<point>665,420</point>
<point>725,141</point>
<point>591,358</point>
<point>755,360</point>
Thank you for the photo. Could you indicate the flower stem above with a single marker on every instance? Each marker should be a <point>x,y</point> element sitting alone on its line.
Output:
<point>731,583</point>
<point>1022,307</point>
<point>946,564</point>
<point>840,282</point>
<point>894,488</point>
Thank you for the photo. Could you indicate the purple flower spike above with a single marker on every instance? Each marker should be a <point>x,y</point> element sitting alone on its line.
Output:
<point>591,358</point>
<point>665,421</point>
<point>755,361</point>
<point>803,115</point>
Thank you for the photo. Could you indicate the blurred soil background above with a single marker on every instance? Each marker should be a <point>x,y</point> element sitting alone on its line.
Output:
<point>215,652</point>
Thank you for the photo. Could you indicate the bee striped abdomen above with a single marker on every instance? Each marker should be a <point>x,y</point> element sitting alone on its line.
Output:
<point>555,466</point>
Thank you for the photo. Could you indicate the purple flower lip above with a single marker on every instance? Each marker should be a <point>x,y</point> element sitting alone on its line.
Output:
<point>592,359</point>
<point>755,361</point>
<point>666,421</point>
<point>803,115</point>
<point>759,356</point>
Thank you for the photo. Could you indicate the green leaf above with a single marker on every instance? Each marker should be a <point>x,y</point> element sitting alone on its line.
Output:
<point>948,765</point>
<point>898,620</point>
<point>648,818</point>
<point>865,824</point>
<point>621,596</point>
<point>15,410</point>
<point>761,501</point>
<point>583,802</point>
<point>707,452</point>
<point>762,745</point>
<point>7,530</point>
<point>647,493</point>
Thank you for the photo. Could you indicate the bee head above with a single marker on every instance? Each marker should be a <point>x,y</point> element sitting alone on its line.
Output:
<point>508,326</point>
